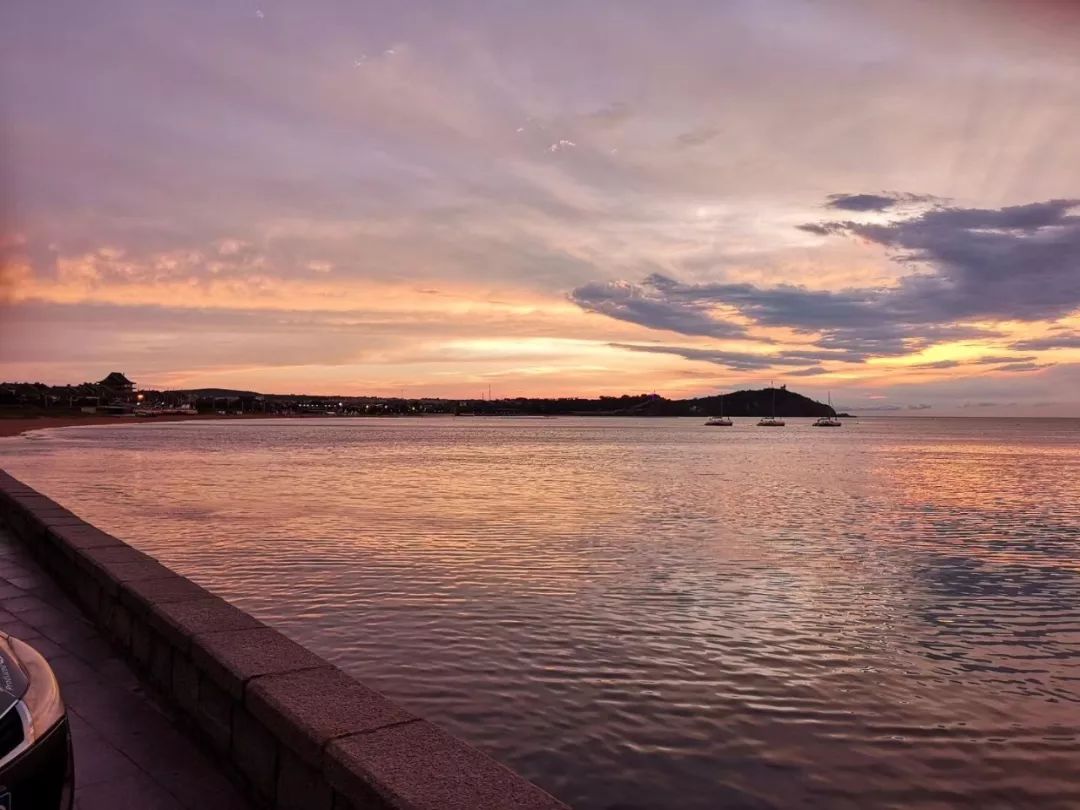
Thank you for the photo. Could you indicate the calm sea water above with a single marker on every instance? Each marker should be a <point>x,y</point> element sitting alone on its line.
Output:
<point>650,613</point>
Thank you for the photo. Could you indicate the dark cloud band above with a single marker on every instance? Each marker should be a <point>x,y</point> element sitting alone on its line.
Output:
<point>970,264</point>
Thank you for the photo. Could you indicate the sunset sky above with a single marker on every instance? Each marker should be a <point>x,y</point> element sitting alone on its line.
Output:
<point>877,199</point>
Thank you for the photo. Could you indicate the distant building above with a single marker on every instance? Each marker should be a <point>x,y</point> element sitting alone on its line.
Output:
<point>118,386</point>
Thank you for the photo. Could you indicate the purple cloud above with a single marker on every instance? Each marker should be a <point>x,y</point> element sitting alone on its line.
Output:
<point>1015,263</point>
<point>872,202</point>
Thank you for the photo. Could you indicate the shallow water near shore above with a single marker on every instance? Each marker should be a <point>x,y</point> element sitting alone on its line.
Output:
<point>650,613</point>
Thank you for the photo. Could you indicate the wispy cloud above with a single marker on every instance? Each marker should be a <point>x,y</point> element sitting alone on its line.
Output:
<point>1020,367</point>
<point>1060,340</point>
<point>647,306</point>
<point>611,115</point>
<point>697,137</point>
<point>739,361</point>
<point>873,202</point>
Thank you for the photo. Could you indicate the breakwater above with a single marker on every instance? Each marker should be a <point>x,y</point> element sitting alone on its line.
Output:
<point>296,730</point>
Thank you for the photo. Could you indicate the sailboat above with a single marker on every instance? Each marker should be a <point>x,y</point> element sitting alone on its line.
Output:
<point>828,421</point>
<point>771,421</point>
<point>721,420</point>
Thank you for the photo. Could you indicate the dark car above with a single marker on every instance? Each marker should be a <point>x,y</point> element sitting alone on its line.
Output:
<point>36,768</point>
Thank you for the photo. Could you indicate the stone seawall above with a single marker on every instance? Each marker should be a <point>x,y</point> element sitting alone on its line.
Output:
<point>297,731</point>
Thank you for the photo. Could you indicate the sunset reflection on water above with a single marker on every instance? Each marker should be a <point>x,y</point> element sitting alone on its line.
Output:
<point>650,613</point>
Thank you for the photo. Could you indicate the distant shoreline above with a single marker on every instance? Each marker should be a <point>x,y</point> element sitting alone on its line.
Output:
<point>18,425</point>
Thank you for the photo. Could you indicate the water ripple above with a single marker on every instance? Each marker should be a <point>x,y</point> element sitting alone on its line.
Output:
<point>649,613</point>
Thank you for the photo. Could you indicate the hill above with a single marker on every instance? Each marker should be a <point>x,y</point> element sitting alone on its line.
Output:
<point>738,403</point>
<point>25,398</point>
